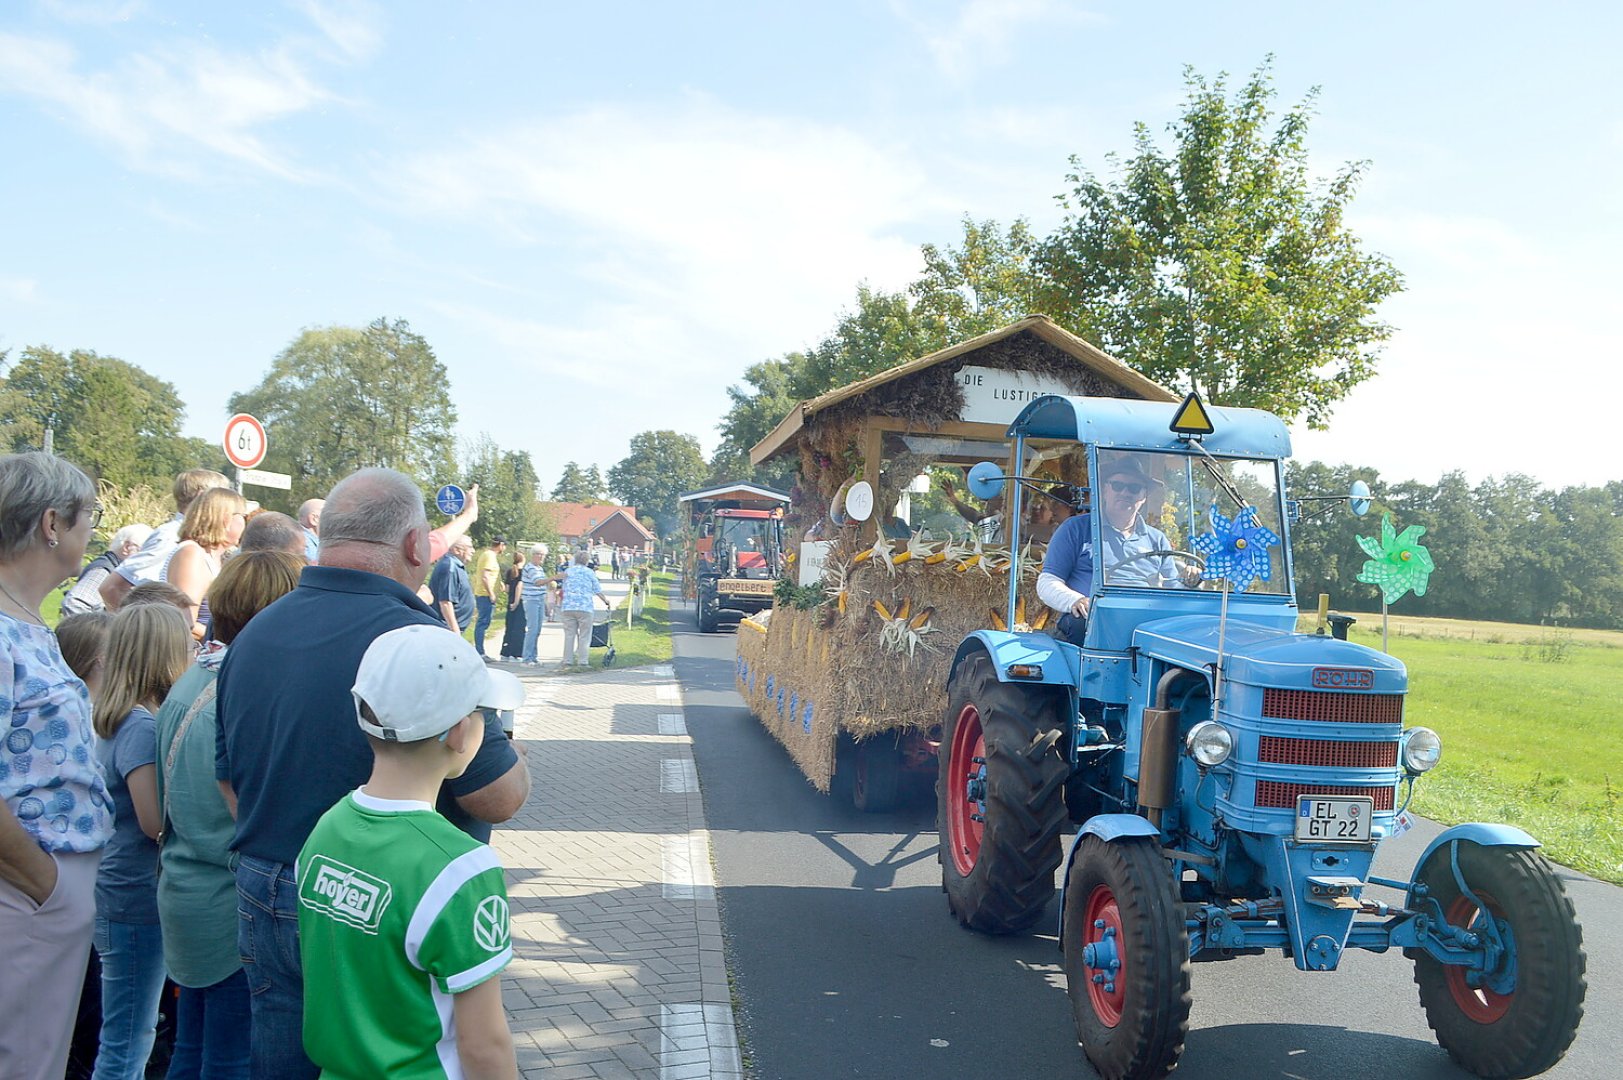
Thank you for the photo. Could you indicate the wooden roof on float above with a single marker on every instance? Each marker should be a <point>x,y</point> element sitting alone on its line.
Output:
<point>1088,356</point>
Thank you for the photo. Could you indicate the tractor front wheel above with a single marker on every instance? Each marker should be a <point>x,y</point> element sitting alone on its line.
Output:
<point>1000,798</point>
<point>1126,958</point>
<point>1518,1019</point>
<point>706,607</point>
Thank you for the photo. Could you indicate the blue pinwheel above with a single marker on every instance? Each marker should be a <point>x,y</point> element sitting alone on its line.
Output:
<point>1236,550</point>
<point>1397,561</point>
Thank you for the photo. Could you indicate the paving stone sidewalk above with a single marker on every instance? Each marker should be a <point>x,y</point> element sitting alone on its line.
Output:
<point>618,966</point>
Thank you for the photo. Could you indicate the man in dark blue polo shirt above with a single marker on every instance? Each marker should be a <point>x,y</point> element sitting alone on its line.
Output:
<point>451,589</point>
<point>288,749</point>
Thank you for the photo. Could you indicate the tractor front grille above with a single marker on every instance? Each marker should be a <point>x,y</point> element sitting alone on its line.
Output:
<point>1329,755</point>
<point>1273,794</point>
<point>1333,708</point>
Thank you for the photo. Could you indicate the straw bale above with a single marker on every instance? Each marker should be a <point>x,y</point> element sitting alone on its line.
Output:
<point>855,683</point>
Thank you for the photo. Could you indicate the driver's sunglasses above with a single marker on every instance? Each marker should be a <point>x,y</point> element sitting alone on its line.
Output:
<point>1126,488</point>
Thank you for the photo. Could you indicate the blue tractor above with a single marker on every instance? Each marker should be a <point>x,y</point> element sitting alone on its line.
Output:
<point>1228,779</point>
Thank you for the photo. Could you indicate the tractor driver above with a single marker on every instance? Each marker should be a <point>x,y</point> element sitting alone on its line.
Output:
<point>1067,577</point>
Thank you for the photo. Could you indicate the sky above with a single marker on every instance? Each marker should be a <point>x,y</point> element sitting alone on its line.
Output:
<point>600,215</point>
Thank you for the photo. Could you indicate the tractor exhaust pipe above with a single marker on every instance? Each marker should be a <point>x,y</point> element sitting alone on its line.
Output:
<point>1158,748</point>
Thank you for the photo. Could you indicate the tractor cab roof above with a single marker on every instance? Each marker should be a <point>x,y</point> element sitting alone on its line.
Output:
<point>1105,421</point>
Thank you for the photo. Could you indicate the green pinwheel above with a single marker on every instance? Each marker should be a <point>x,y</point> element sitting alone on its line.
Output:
<point>1397,561</point>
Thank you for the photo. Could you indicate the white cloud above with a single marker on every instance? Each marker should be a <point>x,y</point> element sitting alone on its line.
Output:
<point>983,34</point>
<point>95,12</point>
<point>760,225</point>
<point>352,26</point>
<point>160,107</point>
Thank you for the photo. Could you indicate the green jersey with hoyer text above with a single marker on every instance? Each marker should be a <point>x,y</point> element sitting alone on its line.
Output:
<point>399,910</point>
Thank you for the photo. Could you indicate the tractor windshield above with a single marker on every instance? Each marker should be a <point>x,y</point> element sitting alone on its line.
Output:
<point>1150,501</point>
<point>748,543</point>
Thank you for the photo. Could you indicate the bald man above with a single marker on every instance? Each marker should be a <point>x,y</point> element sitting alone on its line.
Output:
<point>271,531</point>
<point>310,522</point>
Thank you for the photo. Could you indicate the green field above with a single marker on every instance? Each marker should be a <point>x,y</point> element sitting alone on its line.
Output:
<point>1532,733</point>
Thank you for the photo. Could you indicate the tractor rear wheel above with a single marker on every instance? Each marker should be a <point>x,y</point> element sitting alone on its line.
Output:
<point>1519,1020</point>
<point>1000,798</point>
<point>1126,958</point>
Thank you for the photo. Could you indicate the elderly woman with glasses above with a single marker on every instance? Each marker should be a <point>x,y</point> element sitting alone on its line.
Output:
<point>55,813</point>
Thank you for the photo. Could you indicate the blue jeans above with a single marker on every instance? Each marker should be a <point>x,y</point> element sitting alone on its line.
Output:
<point>211,1028</point>
<point>534,611</point>
<point>268,941</point>
<point>131,982</point>
<point>487,609</point>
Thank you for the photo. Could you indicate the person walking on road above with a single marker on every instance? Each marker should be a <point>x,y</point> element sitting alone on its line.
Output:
<point>487,586</point>
<point>310,522</point>
<point>580,585</point>
<point>517,612</point>
<point>536,586</point>
<point>449,586</point>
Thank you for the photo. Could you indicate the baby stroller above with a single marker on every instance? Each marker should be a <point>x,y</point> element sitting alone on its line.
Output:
<point>603,637</point>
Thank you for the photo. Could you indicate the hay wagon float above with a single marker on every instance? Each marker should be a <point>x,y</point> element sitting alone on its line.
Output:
<point>849,669</point>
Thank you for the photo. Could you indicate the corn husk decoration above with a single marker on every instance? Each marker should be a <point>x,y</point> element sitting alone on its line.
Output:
<point>906,629</point>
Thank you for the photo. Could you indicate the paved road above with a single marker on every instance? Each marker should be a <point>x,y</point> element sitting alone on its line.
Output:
<point>847,964</point>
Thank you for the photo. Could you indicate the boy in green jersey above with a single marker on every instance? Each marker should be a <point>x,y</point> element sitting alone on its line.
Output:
<point>403,927</point>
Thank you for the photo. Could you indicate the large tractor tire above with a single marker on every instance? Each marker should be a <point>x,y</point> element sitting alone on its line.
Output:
<point>1126,958</point>
<point>705,606</point>
<point>1000,798</point>
<point>1523,1028</point>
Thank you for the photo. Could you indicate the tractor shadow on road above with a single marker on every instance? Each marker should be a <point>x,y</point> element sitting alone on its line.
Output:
<point>1312,1052</point>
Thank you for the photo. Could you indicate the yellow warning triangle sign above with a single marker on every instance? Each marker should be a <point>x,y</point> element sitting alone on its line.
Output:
<point>1191,417</point>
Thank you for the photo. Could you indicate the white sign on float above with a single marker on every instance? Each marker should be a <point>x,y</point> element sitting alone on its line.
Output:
<point>813,557</point>
<point>996,396</point>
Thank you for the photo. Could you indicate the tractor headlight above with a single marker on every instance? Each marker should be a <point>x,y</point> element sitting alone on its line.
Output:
<point>1209,743</point>
<point>1422,749</point>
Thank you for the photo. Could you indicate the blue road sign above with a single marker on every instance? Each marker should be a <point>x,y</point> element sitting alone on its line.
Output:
<point>450,500</point>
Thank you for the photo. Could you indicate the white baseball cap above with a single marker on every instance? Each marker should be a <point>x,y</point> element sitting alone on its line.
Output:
<point>420,680</point>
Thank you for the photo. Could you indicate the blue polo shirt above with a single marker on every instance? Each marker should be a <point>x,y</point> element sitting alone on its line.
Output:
<point>1070,554</point>
<point>287,739</point>
<point>449,581</point>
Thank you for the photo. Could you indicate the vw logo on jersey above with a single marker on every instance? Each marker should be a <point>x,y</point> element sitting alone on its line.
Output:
<point>490,924</point>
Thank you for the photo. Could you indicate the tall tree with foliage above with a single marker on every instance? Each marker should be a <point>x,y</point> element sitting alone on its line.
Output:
<point>578,485</point>
<point>111,418</point>
<point>987,281</point>
<point>659,468</point>
<point>342,398</point>
<point>509,494</point>
<point>1220,265</point>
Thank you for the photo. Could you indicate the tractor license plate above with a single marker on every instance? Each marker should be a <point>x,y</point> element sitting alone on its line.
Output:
<point>1334,820</point>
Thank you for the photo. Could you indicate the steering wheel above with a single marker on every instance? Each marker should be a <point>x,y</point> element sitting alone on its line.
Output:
<point>1188,557</point>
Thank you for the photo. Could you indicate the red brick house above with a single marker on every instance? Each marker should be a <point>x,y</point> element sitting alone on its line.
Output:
<point>600,524</point>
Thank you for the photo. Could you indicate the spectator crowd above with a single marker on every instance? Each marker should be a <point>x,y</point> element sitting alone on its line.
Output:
<point>258,759</point>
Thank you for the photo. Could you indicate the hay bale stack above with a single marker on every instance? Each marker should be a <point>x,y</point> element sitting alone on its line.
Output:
<point>854,678</point>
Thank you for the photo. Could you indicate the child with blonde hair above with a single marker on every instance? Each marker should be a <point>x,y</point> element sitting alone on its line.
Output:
<point>148,648</point>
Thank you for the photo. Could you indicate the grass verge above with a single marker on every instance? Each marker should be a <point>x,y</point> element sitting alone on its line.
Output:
<point>1531,734</point>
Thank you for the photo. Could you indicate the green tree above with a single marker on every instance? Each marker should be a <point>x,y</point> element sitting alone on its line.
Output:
<point>577,485</point>
<point>988,281</point>
<point>341,398</point>
<point>660,467</point>
<point>768,393</point>
<point>109,417</point>
<point>1221,265</point>
<point>509,494</point>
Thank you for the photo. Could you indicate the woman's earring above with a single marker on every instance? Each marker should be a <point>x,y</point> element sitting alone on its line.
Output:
<point>50,543</point>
